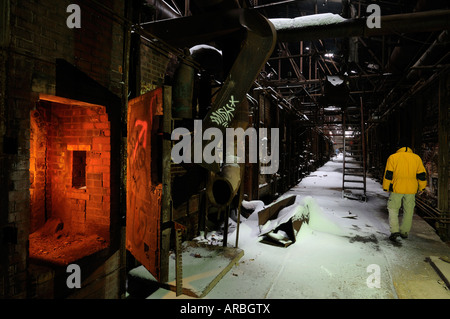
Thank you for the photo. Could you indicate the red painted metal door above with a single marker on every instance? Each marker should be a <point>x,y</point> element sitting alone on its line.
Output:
<point>144,191</point>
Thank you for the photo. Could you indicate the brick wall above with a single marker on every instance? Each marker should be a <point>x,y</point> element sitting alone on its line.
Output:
<point>81,201</point>
<point>153,65</point>
<point>35,36</point>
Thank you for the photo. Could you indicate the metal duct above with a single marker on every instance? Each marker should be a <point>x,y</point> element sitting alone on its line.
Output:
<point>223,187</point>
<point>391,24</point>
<point>256,47</point>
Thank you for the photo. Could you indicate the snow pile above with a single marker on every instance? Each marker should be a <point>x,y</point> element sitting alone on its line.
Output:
<point>293,211</point>
<point>255,205</point>
<point>210,238</point>
<point>318,220</point>
<point>307,21</point>
<point>305,208</point>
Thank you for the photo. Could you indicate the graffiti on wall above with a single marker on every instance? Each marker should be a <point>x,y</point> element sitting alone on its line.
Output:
<point>224,114</point>
<point>143,233</point>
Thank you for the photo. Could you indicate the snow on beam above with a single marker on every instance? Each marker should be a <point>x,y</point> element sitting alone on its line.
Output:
<point>328,25</point>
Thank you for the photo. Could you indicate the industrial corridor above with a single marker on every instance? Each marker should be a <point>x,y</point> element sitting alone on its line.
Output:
<point>224,149</point>
<point>334,255</point>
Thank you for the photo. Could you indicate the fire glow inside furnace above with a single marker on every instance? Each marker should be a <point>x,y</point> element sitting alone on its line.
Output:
<point>70,156</point>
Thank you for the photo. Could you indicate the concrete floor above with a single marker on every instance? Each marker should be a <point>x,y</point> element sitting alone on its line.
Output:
<point>324,265</point>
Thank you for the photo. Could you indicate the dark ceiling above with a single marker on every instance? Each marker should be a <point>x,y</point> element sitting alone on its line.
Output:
<point>380,72</point>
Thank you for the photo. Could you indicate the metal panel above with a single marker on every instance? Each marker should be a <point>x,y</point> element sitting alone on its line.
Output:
<point>143,224</point>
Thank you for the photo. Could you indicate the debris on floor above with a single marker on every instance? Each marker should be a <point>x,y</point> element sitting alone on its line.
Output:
<point>53,244</point>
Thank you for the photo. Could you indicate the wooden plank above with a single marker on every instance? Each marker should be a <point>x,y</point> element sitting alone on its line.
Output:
<point>272,211</point>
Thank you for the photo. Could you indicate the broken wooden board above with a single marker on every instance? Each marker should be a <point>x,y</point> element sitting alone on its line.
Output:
<point>203,267</point>
<point>283,232</point>
<point>442,266</point>
<point>271,211</point>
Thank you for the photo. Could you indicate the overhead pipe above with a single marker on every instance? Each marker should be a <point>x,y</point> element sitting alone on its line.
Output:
<point>429,55</point>
<point>401,55</point>
<point>339,27</point>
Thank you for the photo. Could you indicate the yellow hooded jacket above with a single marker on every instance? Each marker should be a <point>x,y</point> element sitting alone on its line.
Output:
<point>404,173</point>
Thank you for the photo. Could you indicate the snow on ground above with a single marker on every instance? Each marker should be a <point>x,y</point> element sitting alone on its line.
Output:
<point>336,255</point>
<point>331,256</point>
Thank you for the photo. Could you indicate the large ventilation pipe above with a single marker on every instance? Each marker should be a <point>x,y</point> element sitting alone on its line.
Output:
<point>223,187</point>
<point>327,25</point>
<point>259,38</point>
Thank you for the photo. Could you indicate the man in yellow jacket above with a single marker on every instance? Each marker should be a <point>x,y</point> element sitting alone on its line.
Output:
<point>404,176</point>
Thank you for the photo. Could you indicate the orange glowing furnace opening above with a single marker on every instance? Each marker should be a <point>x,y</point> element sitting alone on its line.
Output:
<point>70,157</point>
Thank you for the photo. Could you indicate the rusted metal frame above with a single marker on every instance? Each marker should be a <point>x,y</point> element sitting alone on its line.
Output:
<point>279,70</point>
<point>333,63</point>
<point>179,229</point>
<point>417,87</point>
<point>422,21</point>
<point>432,213</point>
<point>301,57</point>
<point>166,198</point>
<point>330,60</point>
<point>318,81</point>
<point>369,50</point>
<point>365,73</point>
<point>291,56</point>
<point>239,210</point>
<point>292,62</point>
<point>324,63</point>
<point>178,262</point>
<point>429,67</point>
<point>263,6</point>
<point>309,66</point>
<point>444,147</point>
<point>363,142</point>
<point>440,41</point>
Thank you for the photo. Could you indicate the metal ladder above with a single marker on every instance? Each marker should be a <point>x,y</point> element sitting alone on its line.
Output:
<point>354,154</point>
